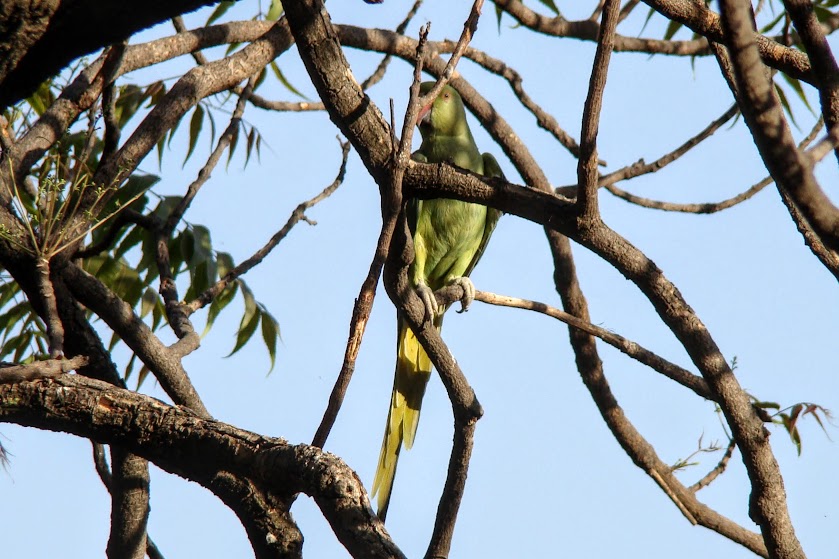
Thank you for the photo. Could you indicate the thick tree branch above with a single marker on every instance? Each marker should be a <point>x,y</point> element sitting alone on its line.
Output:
<point>120,317</point>
<point>201,450</point>
<point>762,111</point>
<point>697,17</point>
<point>821,58</point>
<point>41,38</point>
<point>588,30</point>
<point>83,92</point>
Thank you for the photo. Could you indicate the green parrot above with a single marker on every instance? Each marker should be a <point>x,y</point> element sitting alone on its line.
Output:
<point>449,238</point>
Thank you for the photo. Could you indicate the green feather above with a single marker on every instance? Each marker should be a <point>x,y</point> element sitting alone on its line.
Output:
<point>449,238</point>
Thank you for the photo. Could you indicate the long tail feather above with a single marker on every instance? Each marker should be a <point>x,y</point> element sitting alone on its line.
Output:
<point>413,368</point>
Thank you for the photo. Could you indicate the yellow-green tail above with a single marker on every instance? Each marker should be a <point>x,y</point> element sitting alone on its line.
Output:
<point>413,368</point>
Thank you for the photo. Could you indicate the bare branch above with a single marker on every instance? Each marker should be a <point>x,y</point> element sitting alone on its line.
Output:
<point>587,165</point>
<point>697,17</point>
<point>792,170</point>
<point>821,57</point>
<point>104,472</point>
<point>628,347</point>
<point>40,369</point>
<point>588,30</point>
<point>299,214</point>
<point>113,60</point>
<point>67,404</point>
<point>380,70</point>
<point>120,317</point>
<point>55,330</point>
<point>718,469</point>
<point>469,28</point>
<point>700,208</point>
<point>641,167</point>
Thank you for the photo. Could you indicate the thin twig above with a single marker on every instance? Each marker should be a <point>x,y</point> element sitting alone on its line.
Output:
<point>469,28</point>
<point>287,106</point>
<point>641,167</point>
<point>299,214</point>
<point>700,208</point>
<point>379,73</point>
<point>718,469</point>
<point>188,339</point>
<point>204,174</point>
<point>632,349</point>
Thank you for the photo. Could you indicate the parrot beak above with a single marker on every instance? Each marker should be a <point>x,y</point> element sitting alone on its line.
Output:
<point>424,114</point>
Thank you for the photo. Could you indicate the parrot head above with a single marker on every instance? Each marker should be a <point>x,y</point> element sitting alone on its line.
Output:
<point>445,115</point>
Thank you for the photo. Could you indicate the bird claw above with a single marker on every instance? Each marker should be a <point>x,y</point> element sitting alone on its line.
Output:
<point>428,300</point>
<point>468,292</point>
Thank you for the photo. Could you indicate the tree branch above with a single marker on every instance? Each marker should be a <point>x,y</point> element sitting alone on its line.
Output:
<point>217,451</point>
<point>587,165</point>
<point>41,39</point>
<point>792,170</point>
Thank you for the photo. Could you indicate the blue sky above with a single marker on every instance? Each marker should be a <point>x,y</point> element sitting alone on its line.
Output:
<point>547,478</point>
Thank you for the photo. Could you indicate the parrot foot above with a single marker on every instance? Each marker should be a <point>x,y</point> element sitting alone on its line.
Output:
<point>468,292</point>
<point>428,300</point>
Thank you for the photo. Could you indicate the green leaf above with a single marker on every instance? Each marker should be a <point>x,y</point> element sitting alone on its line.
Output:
<point>141,376</point>
<point>650,15</point>
<point>822,13</point>
<point>14,315</point>
<point>768,405</point>
<point>249,322</point>
<point>785,103</point>
<point>219,303</point>
<point>129,368</point>
<point>195,125</point>
<point>225,263</point>
<point>133,189</point>
<point>249,146</point>
<point>185,244</point>
<point>202,244</point>
<point>8,291</point>
<point>672,28</point>
<point>161,145</point>
<point>796,86</point>
<point>234,141</point>
<point>157,315</point>
<point>231,47</point>
<point>42,98</point>
<point>768,27</point>
<point>284,81</point>
<point>219,11</point>
<point>150,299</point>
<point>133,238</point>
<point>128,102</point>
<point>270,335</point>
<point>551,5</point>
